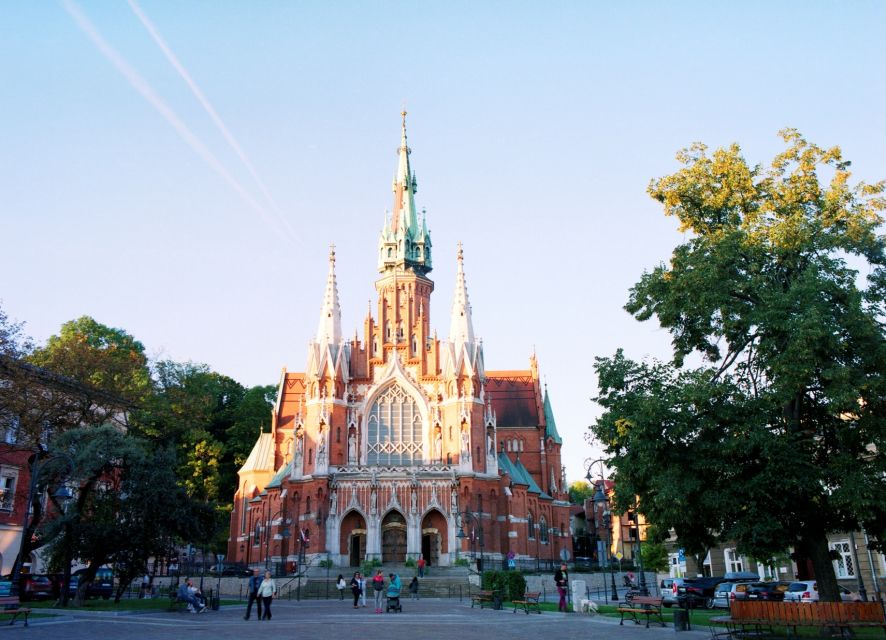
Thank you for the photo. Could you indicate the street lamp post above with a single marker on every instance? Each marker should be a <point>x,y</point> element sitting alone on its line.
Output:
<point>603,517</point>
<point>472,518</point>
<point>644,589</point>
<point>283,534</point>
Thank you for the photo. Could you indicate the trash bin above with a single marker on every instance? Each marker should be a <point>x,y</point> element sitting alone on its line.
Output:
<point>496,601</point>
<point>681,620</point>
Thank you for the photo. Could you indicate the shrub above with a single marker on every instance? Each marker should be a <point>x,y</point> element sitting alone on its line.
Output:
<point>462,562</point>
<point>511,584</point>
<point>409,562</point>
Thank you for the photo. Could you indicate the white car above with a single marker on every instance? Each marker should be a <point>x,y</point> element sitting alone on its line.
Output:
<point>807,591</point>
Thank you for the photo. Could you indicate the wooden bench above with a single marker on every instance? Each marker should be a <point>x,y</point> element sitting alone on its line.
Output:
<point>529,601</point>
<point>744,615</point>
<point>648,606</point>
<point>483,598</point>
<point>12,606</point>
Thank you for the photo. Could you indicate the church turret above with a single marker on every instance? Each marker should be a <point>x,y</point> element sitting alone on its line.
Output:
<point>405,241</point>
<point>464,352</point>
<point>329,329</point>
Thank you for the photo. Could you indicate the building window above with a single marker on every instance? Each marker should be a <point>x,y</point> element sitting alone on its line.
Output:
<point>543,530</point>
<point>843,566</point>
<point>733,560</point>
<point>256,536</point>
<point>244,510</point>
<point>395,428</point>
<point>7,489</point>
<point>530,524</point>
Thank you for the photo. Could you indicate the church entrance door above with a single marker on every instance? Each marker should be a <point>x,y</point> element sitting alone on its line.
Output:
<point>358,549</point>
<point>393,538</point>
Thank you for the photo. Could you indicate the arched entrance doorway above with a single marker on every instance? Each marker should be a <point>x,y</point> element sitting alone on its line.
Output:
<point>433,537</point>
<point>353,538</point>
<point>393,538</point>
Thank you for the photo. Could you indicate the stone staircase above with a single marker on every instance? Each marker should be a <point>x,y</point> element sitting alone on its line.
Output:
<point>438,582</point>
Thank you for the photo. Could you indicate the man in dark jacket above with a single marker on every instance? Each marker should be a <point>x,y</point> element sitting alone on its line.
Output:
<point>252,591</point>
<point>561,579</point>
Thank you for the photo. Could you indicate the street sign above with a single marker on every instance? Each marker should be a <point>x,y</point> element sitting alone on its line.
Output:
<point>619,555</point>
<point>564,555</point>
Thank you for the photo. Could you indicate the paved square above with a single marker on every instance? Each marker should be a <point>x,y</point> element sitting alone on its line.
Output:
<point>336,620</point>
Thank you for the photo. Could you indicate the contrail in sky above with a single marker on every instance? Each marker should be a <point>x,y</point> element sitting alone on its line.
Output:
<point>144,88</point>
<point>204,101</point>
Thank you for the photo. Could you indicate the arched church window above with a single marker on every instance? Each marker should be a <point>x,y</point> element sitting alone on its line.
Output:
<point>414,344</point>
<point>394,429</point>
<point>388,330</point>
<point>256,536</point>
<point>543,530</point>
<point>338,434</point>
<point>530,524</point>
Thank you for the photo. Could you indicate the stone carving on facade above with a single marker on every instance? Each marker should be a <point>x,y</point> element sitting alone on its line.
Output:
<point>414,499</point>
<point>373,502</point>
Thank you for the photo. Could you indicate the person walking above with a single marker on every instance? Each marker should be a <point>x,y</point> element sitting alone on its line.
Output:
<point>561,579</point>
<point>421,566</point>
<point>355,588</point>
<point>266,591</point>
<point>413,588</point>
<point>340,585</point>
<point>378,587</point>
<point>252,595</point>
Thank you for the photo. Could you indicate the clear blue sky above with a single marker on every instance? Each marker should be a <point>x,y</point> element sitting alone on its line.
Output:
<point>535,129</point>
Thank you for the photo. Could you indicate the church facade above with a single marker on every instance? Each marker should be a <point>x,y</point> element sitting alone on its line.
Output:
<point>397,444</point>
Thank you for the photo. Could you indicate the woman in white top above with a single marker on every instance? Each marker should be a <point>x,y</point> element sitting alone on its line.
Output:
<point>266,591</point>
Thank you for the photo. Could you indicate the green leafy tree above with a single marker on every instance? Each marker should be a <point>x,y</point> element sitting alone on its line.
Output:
<point>777,438</point>
<point>579,491</point>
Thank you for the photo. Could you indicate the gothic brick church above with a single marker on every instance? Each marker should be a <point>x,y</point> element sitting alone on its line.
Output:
<point>397,444</point>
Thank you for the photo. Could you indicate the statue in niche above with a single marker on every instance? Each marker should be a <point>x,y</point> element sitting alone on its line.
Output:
<point>373,502</point>
<point>465,442</point>
<point>333,502</point>
<point>453,506</point>
<point>352,447</point>
<point>299,446</point>
<point>414,505</point>
<point>321,447</point>
<point>490,444</point>
<point>438,444</point>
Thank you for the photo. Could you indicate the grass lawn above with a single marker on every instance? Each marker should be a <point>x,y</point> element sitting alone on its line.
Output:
<point>132,604</point>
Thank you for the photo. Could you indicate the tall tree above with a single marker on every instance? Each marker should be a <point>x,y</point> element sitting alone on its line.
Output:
<point>778,438</point>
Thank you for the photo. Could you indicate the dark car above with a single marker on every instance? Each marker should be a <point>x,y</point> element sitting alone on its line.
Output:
<point>234,569</point>
<point>698,592</point>
<point>102,586</point>
<point>769,591</point>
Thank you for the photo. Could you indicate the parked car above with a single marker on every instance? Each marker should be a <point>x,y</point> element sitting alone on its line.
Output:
<point>768,591</point>
<point>234,569</point>
<point>101,587</point>
<point>807,591</point>
<point>668,590</point>
<point>36,586</point>
<point>726,592</point>
<point>698,592</point>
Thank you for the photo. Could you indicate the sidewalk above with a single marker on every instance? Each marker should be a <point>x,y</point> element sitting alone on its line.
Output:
<point>430,619</point>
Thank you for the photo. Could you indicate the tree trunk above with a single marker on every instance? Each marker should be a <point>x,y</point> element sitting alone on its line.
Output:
<point>816,549</point>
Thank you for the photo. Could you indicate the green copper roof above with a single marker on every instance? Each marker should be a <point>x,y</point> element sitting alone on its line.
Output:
<point>277,480</point>
<point>551,424</point>
<point>520,474</point>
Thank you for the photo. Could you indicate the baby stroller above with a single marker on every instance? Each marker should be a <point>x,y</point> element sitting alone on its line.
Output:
<point>393,595</point>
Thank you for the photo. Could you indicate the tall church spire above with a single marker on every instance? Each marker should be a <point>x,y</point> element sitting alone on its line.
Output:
<point>405,241</point>
<point>329,329</point>
<point>461,328</point>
